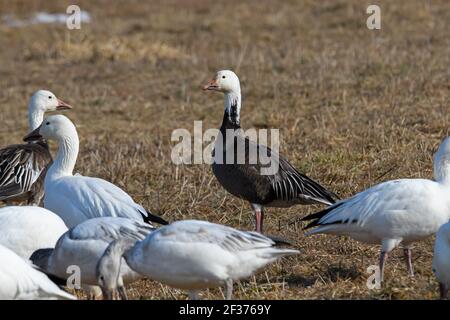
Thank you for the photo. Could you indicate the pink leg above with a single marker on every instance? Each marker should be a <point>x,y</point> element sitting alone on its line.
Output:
<point>443,290</point>
<point>259,218</point>
<point>383,259</point>
<point>408,258</point>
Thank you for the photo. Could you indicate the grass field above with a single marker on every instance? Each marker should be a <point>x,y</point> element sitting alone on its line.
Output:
<point>354,107</point>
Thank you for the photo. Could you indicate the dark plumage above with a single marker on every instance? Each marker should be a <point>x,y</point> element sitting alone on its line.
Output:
<point>150,217</point>
<point>315,217</point>
<point>284,188</point>
<point>22,172</point>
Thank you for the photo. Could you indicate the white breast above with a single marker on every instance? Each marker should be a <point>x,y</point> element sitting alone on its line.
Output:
<point>25,229</point>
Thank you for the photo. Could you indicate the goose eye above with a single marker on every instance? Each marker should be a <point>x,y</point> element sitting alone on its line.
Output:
<point>47,123</point>
<point>223,77</point>
<point>49,97</point>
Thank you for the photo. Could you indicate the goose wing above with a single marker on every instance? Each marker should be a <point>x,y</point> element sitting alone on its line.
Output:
<point>379,204</point>
<point>79,198</point>
<point>20,167</point>
<point>288,184</point>
<point>110,229</point>
<point>194,232</point>
<point>20,280</point>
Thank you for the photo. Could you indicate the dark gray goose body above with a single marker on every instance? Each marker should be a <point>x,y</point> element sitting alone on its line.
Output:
<point>22,172</point>
<point>284,188</point>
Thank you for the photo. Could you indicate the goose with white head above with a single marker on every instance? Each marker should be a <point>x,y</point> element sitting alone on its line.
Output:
<point>284,187</point>
<point>394,212</point>
<point>23,166</point>
<point>76,198</point>
<point>191,255</point>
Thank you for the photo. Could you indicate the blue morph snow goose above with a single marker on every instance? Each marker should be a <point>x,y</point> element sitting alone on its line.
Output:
<point>393,212</point>
<point>284,188</point>
<point>76,198</point>
<point>23,166</point>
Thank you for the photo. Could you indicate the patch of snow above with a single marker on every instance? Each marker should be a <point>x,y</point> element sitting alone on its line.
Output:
<point>42,18</point>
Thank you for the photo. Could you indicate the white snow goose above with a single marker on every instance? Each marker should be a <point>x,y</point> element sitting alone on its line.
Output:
<point>191,255</point>
<point>285,187</point>
<point>24,229</point>
<point>76,198</point>
<point>20,281</point>
<point>23,166</point>
<point>85,244</point>
<point>441,259</point>
<point>393,212</point>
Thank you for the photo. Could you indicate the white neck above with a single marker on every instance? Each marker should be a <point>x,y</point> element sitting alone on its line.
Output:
<point>233,106</point>
<point>35,117</point>
<point>66,157</point>
<point>441,168</point>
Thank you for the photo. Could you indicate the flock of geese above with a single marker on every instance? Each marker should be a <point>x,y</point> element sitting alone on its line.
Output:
<point>95,226</point>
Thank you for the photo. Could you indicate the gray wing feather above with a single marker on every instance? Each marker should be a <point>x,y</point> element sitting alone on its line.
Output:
<point>20,168</point>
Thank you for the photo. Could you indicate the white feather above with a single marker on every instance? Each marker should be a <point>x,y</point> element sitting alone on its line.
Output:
<point>20,281</point>
<point>24,229</point>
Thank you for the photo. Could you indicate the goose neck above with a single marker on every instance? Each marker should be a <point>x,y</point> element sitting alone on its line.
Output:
<point>441,170</point>
<point>231,118</point>
<point>35,118</point>
<point>66,156</point>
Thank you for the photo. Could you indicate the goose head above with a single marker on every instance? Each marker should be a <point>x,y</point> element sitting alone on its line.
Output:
<point>44,100</point>
<point>441,162</point>
<point>225,81</point>
<point>56,127</point>
<point>41,102</point>
<point>108,268</point>
<point>107,273</point>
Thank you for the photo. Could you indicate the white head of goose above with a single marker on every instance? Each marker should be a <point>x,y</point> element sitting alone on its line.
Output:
<point>22,166</point>
<point>76,198</point>
<point>41,102</point>
<point>227,81</point>
<point>285,188</point>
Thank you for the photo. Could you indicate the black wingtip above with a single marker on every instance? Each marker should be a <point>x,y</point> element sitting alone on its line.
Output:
<point>315,217</point>
<point>280,241</point>
<point>39,259</point>
<point>311,224</point>
<point>57,280</point>
<point>150,217</point>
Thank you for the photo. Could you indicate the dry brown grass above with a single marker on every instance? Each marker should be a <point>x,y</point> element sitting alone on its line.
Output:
<point>355,107</point>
